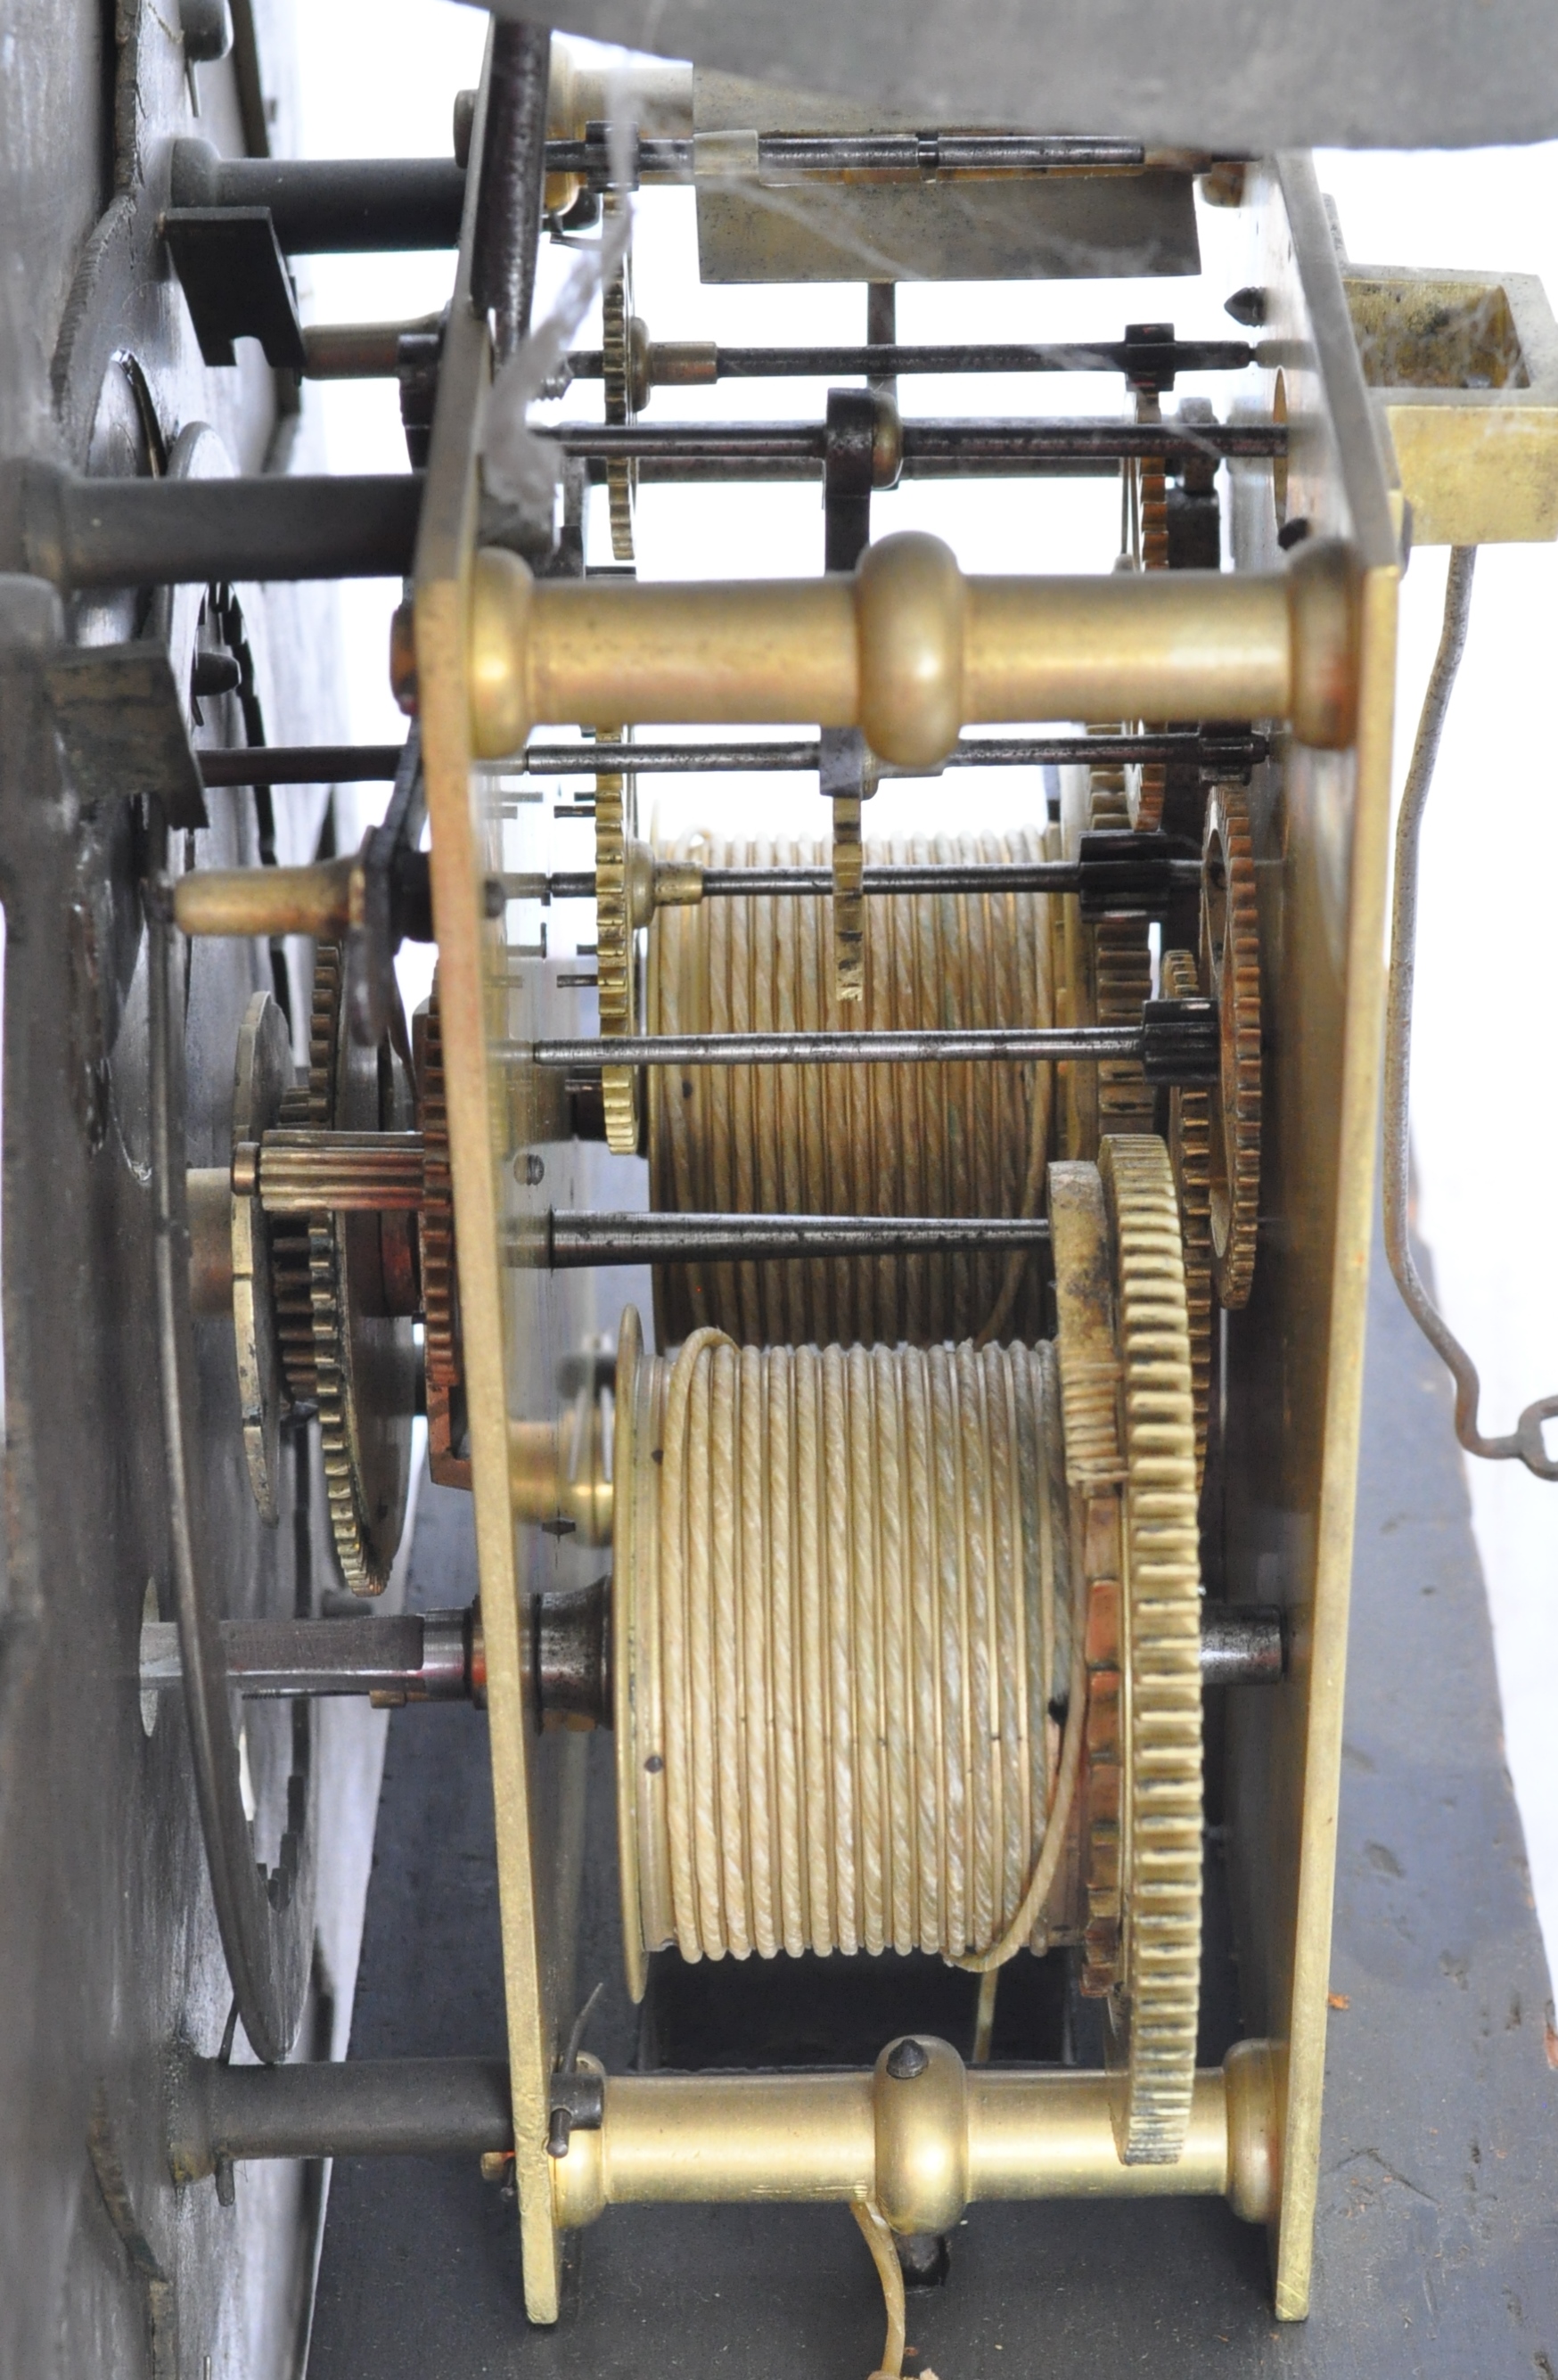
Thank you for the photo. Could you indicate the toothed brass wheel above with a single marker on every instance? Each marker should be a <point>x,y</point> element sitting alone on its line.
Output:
<point>1231,972</point>
<point>1150,550</point>
<point>1189,1142</point>
<point>616,972</point>
<point>1153,2010</point>
<point>344,1299</point>
<point>617,372</point>
<point>310,1103</point>
<point>447,1449</point>
<point>436,1221</point>
<point>1126,1385</point>
<point>263,1079</point>
<point>1111,977</point>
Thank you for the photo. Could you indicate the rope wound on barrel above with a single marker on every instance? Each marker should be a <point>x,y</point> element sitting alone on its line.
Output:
<point>847,1617</point>
<point>862,1140</point>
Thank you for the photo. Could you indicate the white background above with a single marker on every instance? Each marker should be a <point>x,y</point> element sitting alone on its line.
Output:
<point>378,77</point>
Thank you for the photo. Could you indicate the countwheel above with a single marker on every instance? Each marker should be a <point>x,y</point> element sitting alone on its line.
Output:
<point>1231,972</point>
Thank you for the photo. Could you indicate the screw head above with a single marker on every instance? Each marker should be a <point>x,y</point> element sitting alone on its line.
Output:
<point>531,1168</point>
<point>906,2059</point>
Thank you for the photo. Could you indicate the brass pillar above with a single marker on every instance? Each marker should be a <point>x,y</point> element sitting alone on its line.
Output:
<point>921,2147</point>
<point>323,901</point>
<point>908,649</point>
<point>557,1472</point>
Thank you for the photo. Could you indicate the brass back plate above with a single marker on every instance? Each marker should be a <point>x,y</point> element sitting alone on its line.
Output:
<point>1294,1354</point>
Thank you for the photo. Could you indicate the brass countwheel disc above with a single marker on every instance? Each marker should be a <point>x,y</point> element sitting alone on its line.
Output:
<point>1231,971</point>
<point>1153,2012</point>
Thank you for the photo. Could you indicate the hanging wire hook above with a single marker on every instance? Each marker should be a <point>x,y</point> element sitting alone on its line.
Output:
<point>1525,1443</point>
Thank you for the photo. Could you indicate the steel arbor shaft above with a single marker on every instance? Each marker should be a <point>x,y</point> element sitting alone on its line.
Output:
<point>826,363</point>
<point>1017,1045</point>
<point>339,764</point>
<point>568,1241</point>
<point>939,448</point>
<point>991,877</point>
<point>1231,753</point>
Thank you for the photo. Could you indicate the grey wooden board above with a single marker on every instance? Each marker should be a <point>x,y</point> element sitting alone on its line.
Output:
<point>108,1945</point>
<point>1438,2234</point>
<point>1053,228</point>
<point>1240,75</point>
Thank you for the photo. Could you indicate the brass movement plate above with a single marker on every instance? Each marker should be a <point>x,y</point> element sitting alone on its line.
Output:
<point>1294,1354</point>
<point>537,1779</point>
<point>1464,371</point>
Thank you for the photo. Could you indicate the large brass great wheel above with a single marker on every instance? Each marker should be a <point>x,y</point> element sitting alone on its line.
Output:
<point>1126,1383</point>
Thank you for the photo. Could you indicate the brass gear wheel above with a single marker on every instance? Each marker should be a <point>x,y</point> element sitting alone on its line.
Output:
<point>616,972</point>
<point>436,1221</point>
<point>1151,493</point>
<point>1122,973</point>
<point>1104,972</point>
<point>310,1103</point>
<point>1231,973</point>
<point>341,1347</point>
<point>1189,1155</point>
<point>1154,2008</point>
<point>1151,552</point>
<point>616,369</point>
<point>1124,1359</point>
